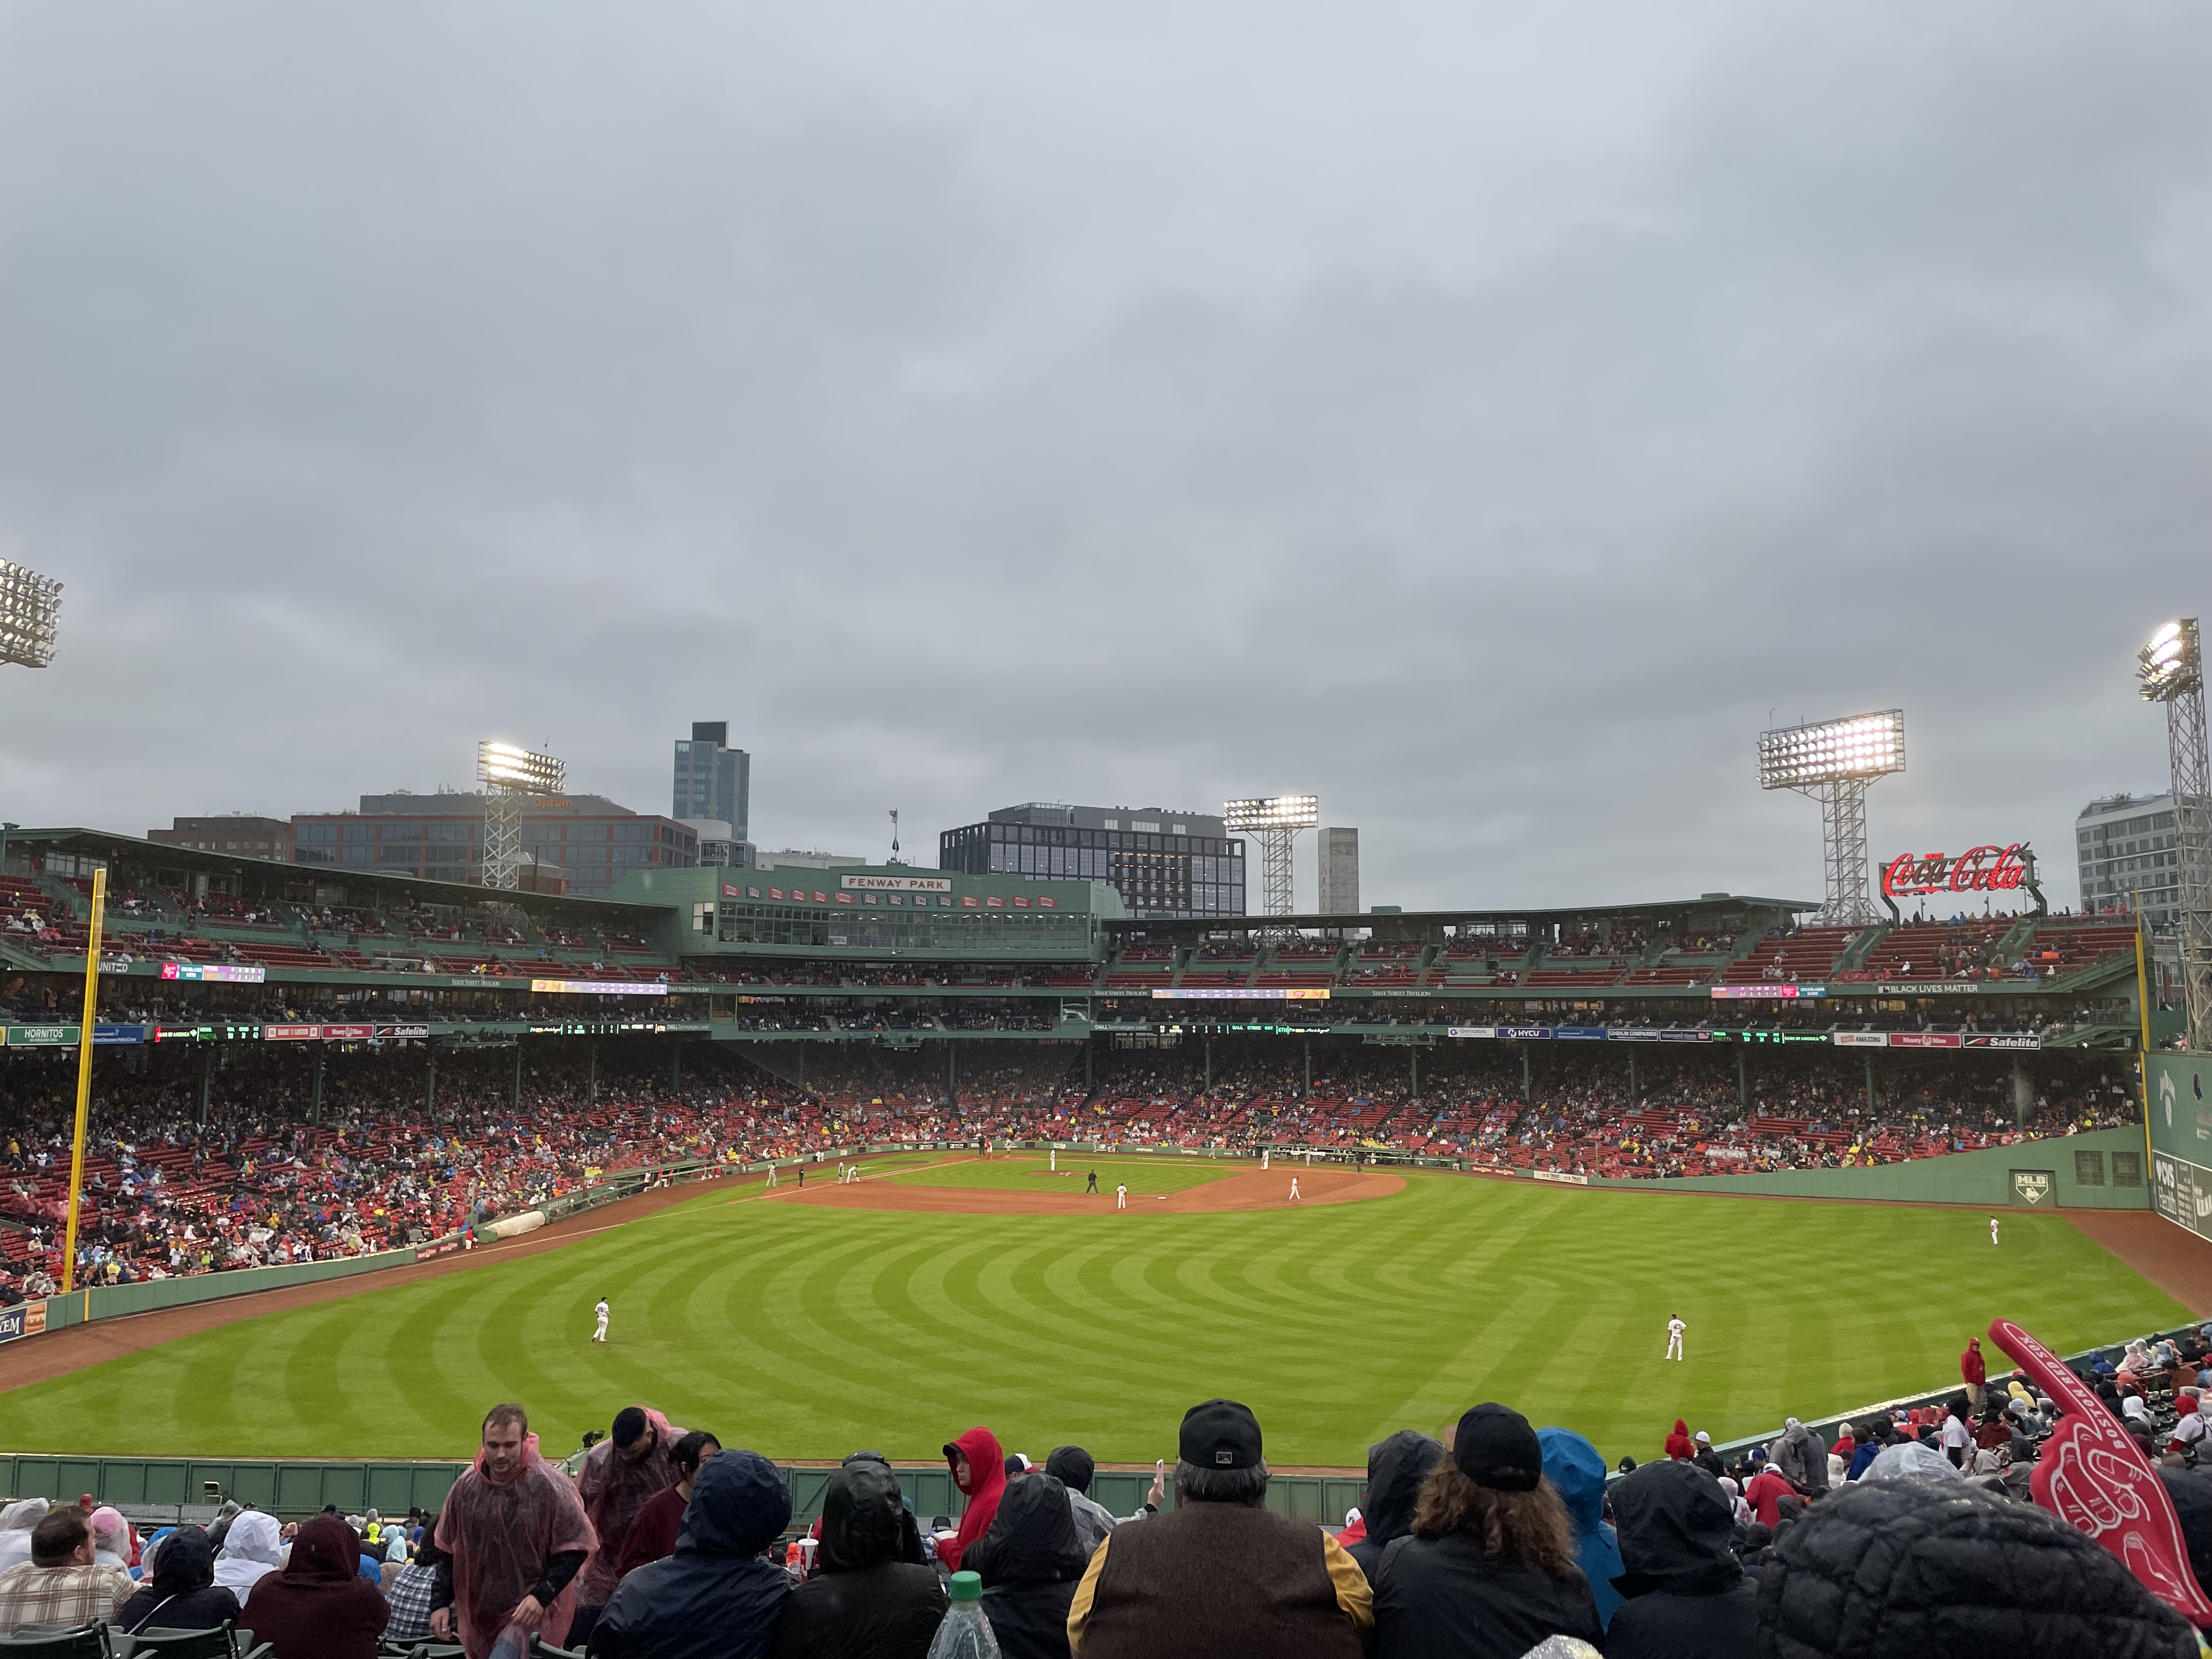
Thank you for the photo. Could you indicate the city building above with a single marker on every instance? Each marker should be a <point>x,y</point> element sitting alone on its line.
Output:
<point>1162,863</point>
<point>718,843</point>
<point>243,833</point>
<point>714,781</point>
<point>1339,872</point>
<point>794,858</point>
<point>2122,846</point>
<point>592,840</point>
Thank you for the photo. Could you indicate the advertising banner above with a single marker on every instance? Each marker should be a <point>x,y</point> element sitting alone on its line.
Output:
<point>1927,987</point>
<point>25,1319</point>
<point>1561,1177</point>
<point>226,973</point>
<point>1526,1033</point>
<point>1238,993</point>
<point>1578,1033</point>
<point>1926,1040</point>
<point>1764,993</point>
<point>43,1036</point>
<point>1472,1031</point>
<point>402,1033</point>
<point>2000,1040</point>
<point>290,1033</point>
<point>2035,1187</point>
<point>1862,1039</point>
<point>106,1037</point>
<point>348,1033</point>
<point>2181,1140</point>
<point>601,988</point>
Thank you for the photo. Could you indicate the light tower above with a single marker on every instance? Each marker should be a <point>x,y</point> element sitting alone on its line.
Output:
<point>30,606</point>
<point>1274,821</point>
<point>1834,762</point>
<point>2171,670</point>
<point>510,775</point>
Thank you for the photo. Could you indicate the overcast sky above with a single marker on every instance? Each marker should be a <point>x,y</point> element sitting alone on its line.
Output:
<point>1485,416</point>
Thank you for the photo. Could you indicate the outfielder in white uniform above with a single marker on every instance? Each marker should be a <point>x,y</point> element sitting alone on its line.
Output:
<point>1121,1198</point>
<point>600,1312</point>
<point>1294,1189</point>
<point>1993,1230</point>
<point>1674,1329</point>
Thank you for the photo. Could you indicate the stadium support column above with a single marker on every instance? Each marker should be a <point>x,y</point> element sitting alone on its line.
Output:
<point>1527,1078</point>
<point>315,1105</point>
<point>592,1071</point>
<point>1090,1047</point>
<point>2023,1091</point>
<point>430,1080</point>
<point>1870,1106</point>
<point>207,1086</point>
<point>515,1093</point>
<point>1631,1077</point>
<point>675,1064</point>
<point>1414,1054</point>
<point>1308,1045</point>
<point>1207,1045</point>
<point>1743,1082</point>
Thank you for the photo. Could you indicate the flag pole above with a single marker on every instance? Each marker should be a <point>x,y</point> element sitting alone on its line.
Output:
<point>84,1073</point>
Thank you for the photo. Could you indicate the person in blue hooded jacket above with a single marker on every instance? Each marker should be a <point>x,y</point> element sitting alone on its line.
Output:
<point>715,1598</point>
<point>1572,1465</point>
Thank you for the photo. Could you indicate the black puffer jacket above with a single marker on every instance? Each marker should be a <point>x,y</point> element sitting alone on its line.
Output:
<point>1030,1561</point>
<point>1687,1596</point>
<point>1396,1467</point>
<point>714,1598</point>
<point>874,1597</point>
<point>2191,1490</point>
<point>1907,1569</point>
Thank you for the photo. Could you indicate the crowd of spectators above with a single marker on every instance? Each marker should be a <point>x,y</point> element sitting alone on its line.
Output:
<point>402,1149</point>
<point>1909,1533</point>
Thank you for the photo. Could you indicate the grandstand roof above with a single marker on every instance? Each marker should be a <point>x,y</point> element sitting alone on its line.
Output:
<point>272,876</point>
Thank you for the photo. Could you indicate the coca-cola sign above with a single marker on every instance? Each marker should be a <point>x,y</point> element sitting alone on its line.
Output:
<point>1977,870</point>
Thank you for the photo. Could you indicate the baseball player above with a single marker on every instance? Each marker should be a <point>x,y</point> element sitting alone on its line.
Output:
<point>600,1313</point>
<point>1674,1329</point>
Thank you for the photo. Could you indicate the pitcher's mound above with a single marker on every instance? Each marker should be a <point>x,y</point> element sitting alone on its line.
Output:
<point>1255,1189</point>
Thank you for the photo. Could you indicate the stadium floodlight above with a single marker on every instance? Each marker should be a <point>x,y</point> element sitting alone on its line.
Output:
<point>30,609</point>
<point>2171,668</point>
<point>1274,821</point>
<point>507,765</point>
<point>510,775</point>
<point>1835,761</point>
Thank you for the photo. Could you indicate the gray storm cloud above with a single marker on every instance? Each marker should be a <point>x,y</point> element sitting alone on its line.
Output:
<point>1486,418</point>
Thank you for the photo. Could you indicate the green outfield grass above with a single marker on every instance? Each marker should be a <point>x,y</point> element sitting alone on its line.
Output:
<point>806,1332</point>
<point>1023,1172</point>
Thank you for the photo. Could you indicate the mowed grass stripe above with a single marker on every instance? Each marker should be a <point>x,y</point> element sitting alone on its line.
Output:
<point>808,1332</point>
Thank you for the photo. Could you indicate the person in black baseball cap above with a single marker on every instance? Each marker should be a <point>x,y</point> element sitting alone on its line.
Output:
<point>1489,1570</point>
<point>1220,1573</point>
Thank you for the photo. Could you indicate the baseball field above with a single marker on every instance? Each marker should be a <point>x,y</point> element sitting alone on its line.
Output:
<point>938,1292</point>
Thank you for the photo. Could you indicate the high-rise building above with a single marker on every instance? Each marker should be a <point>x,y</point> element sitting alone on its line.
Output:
<point>440,838</point>
<point>1339,872</point>
<point>2124,845</point>
<point>245,834</point>
<point>1162,863</point>
<point>714,781</point>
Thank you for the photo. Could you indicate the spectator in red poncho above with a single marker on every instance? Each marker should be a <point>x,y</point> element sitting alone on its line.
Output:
<point>1679,1448</point>
<point>979,1469</point>
<point>1975,1372</point>
<point>1764,1494</point>
<point>620,1476</point>
<point>517,1537</point>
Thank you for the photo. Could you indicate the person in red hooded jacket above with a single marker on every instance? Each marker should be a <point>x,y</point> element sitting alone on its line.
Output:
<point>1975,1372</point>
<point>979,1469</point>
<point>1679,1448</point>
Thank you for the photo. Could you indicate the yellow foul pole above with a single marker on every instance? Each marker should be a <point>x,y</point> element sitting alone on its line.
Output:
<point>2143,1053</point>
<point>84,1073</point>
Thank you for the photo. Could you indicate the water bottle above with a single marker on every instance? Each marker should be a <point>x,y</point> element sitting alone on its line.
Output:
<point>965,1633</point>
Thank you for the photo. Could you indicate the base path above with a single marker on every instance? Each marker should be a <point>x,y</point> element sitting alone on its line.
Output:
<point>1258,1189</point>
<point>2172,1258</point>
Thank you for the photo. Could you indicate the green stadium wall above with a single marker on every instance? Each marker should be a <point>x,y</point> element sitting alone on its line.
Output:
<point>294,1490</point>
<point>1984,1178</point>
